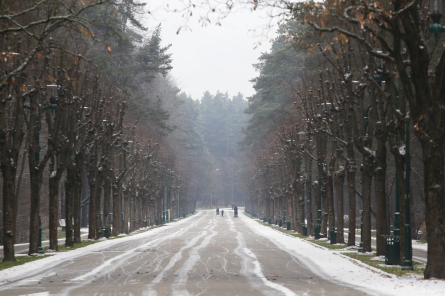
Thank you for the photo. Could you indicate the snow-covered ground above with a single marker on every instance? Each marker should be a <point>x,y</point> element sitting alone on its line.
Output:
<point>55,258</point>
<point>415,244</point>
<point>335,266</point>
<point>182,257</point>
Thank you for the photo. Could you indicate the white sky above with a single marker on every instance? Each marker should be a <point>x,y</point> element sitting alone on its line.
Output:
<point>214,57</point>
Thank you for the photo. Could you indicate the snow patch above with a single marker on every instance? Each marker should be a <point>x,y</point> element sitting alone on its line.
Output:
<point>348,271</point>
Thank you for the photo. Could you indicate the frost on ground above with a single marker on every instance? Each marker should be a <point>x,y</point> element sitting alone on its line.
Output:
<point>15,273</point>
<point>338,268</point>
<point>378,258</point>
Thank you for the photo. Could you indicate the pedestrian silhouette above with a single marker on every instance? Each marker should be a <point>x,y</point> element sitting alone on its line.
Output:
<point>222,213</point>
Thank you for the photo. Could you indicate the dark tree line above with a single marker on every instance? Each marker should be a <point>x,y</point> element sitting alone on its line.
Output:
<point>74,88</point>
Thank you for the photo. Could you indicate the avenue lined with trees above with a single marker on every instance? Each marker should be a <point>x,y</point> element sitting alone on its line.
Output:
<point>86,100</point>
<point>346,126</point>
<point>344,134</point>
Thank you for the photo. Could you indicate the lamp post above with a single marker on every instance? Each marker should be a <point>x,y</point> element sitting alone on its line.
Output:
<point>40,237</point>
<point>392,250</point>
<point>318,224</point>
<point>360,248</point>
<point>407,261</point>
<point>436,15</point>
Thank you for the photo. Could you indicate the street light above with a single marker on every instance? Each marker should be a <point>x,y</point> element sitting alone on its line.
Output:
<point>392,249</point>
<point>301,136</point>
<point>407,262</point>
<point>436,14</point>
<point>318,224</point>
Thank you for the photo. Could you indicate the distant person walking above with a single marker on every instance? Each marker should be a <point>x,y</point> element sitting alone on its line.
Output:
<point>236,211</point>
<point>222,213</point>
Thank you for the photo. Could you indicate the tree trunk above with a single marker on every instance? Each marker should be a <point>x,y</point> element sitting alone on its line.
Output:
<point>324,208</point>
<point>309,209</point>
<point>92,208</point>
<point>132,208</point>
<point>301,214</point>
<point>78,173</point>
<point>117,220</point>
<point>54,182</point>
<point>107,196</point>
<point>366,193</point>
<point>435,208</point>
<point>400,163</point>
<point>295,209</point>
<point>8,174</point>
<point>36,182</point>
<point>330,200</point>
<point>126,210</point>
<point>350,175</point>
<point>70,186</point>
<point>339,180</point>
<point>17,197</point>
<point>10,143</point>
<point>380,199</point>
<point>99,229</point>
<point>316,201</point>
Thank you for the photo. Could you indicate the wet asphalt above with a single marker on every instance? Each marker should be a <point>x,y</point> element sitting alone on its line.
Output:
<point>206,254</point>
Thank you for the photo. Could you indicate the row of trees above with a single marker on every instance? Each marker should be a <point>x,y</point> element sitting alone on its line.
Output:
<point>408,94</point>
<point>337,105</point>
<point>70,108</point>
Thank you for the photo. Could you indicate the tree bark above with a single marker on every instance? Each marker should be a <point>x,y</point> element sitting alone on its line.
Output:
<point>70,185</point>
<point>315,194</point>
<point>366,193</point>
<point>433,158</point>
<point>36,182</point>
<point>54,182</point>
<point>17,196</point>
<point>330,200</point>
<point>78,173</point>
<point>309,208</point>
<point>99,229</point>
<point>117,221</point>
<point>9,215</point>
<point>350,175</point>
<point>10,143</point>
<point>107,196</point>
<point>92,207</point>
<point>380,196</point>
<point>339,180</point>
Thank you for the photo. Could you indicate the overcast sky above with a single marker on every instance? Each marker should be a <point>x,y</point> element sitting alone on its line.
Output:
<point>214,57</point>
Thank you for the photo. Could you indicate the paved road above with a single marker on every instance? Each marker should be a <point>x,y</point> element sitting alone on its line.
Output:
<point>202,255</point>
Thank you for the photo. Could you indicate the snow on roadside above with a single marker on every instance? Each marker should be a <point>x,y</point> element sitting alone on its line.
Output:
<point>338,268</point>
<point>416,245</point>
<point>420,246</point>
<point>13,273</point>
